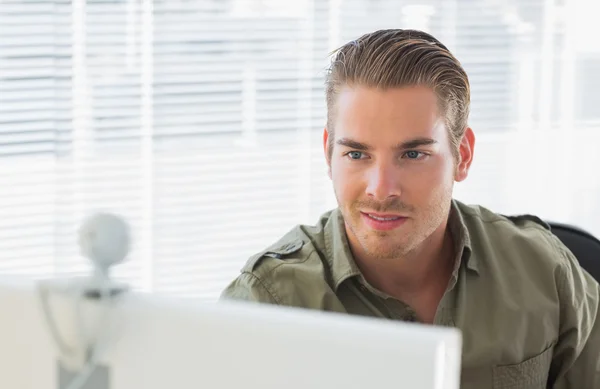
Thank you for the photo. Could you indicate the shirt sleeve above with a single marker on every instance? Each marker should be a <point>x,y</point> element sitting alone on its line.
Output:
<point>576,360</point>
<point>248,287</point>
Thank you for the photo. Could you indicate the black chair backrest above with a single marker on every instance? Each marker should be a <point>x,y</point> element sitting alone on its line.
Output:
<point>582,244</point>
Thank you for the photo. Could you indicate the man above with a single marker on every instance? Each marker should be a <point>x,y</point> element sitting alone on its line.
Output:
<point>400,247</point>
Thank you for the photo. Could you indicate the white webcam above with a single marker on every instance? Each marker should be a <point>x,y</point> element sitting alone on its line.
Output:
<point>104,239</point>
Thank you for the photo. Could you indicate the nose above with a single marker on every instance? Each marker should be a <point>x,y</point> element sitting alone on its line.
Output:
<point>383,182</point>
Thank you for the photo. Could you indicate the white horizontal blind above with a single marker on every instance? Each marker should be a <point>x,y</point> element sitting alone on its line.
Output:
<point>200,121</point>
<point>35,130</point>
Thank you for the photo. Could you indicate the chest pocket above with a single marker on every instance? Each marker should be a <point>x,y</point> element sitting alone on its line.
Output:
<point>529,374</point>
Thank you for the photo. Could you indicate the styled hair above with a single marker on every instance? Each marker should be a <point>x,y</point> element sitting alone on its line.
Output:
<point>397,58</point>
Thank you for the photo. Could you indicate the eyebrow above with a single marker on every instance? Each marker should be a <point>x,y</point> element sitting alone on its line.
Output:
<point>409,144</point>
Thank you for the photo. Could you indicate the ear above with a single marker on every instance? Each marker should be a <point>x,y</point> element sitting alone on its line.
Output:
<point>326,150</point>
<point>465,153</point>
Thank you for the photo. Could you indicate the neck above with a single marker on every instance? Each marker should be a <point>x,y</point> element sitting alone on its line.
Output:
<point>424,269</point>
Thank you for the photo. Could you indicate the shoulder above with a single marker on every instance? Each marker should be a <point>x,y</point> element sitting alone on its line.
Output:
<point>294,247</point>
<point>291,271</point>
<point>523,242</point>
<point>478,216</point>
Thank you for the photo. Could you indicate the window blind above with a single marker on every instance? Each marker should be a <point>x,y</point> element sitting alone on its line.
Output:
<point>200,122</point>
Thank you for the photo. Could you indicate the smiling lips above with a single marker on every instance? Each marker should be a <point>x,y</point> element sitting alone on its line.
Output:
<point>383,221</point>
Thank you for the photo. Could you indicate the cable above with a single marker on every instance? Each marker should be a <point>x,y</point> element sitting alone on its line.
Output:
<point>44,294</point>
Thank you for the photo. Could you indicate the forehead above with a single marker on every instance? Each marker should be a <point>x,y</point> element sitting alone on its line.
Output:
<point>394,112</point>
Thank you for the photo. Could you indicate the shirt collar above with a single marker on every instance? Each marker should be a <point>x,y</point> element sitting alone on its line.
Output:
<point>461,237</point>
<point>341,261</point>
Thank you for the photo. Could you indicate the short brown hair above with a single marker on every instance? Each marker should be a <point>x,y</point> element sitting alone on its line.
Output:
<point>397,58</point>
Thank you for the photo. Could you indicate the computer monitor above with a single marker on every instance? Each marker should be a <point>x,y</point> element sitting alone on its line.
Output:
<point>168,343</point>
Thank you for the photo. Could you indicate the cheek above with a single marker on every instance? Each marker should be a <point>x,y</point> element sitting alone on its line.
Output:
<point>348,182</point>
<point>425,180</point>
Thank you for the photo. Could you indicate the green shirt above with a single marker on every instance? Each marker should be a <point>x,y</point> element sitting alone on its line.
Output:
<point>528,312</point>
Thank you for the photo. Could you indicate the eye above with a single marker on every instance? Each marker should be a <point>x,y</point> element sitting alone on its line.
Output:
<point>355,154</point>
<point>412,154</point>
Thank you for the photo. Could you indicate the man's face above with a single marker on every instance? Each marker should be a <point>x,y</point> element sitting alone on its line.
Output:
<point>392,166</point>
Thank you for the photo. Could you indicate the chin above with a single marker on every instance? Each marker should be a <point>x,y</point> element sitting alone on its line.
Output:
<point>384,246</point>
<point>384,254</point>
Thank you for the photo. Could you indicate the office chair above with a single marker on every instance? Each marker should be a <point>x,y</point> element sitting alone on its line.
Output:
<point>582,244</point>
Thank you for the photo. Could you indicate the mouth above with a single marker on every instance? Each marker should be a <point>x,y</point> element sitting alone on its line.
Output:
<point>383,222</point>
